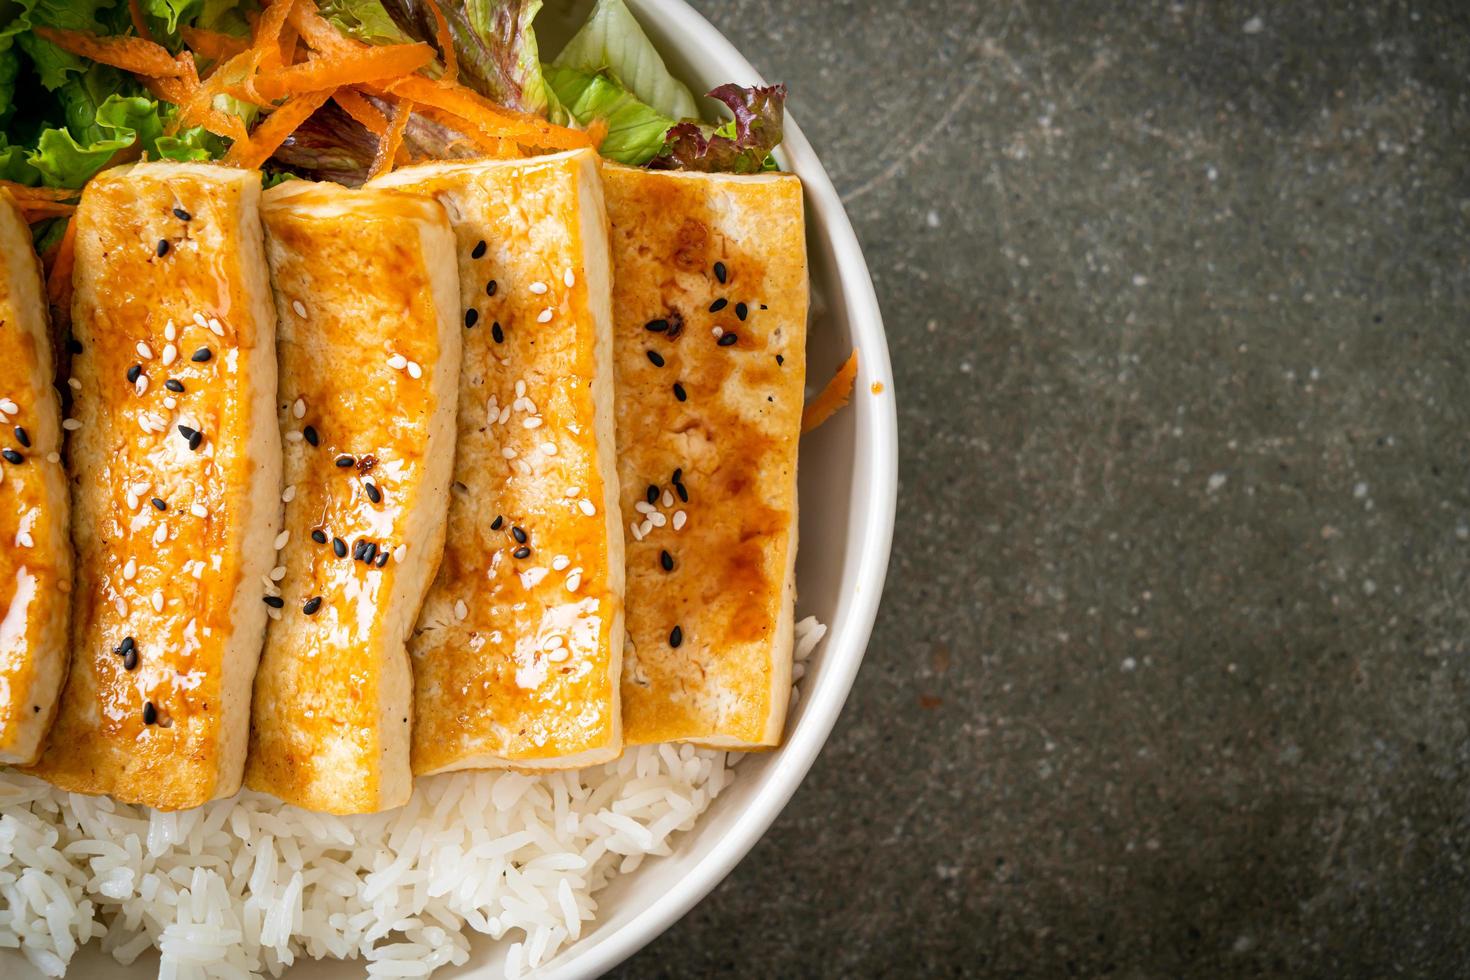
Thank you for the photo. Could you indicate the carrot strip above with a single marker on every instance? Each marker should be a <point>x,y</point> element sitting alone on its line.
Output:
<point>37,210</point>
<point>267,41</point>
<point>597,132</point>
<point>132,54</point>
<point>368,65</point>
<point>269,135</point>
<point>493,120</point>
<point>22,193</point>
<point>212,44</point>
<point>392,141</point>
<point>318,32</point>
<point>58,278</point>
<point>446,42</point>
<point>362,110</point>
<point>140,24</point>
<point>833,397</point>
<point>491,146</point>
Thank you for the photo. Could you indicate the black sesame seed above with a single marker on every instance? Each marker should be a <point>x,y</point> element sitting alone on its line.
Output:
<point>666,560</point>
<point>173,384</point>
<point>741,310</point>
<point>22,436</point>
<point>339,547</point>
<point>127,644</point>
<point>383,557</point>
<point>319,536</point>
<point>150,713</point>
<point>345,461</point>
<point>309,433</point>
<point>656,326</point>
<point>130,660</point>
<point>182,215</point>
<point>373,493</point>
<point>158,503</point>
<point>682,491</point>
<point>655,358</point>
<point>274,601</point>
<point>479,250</point>
<point>521,552</point>
<point>310,606</point>
<point>359,549</point>
<point>471,317</point>
<point>134,372</point>
<point>519,533</point>
<point>192,436</point>
<point>728,339</point>
<point>11,456</point>
<point>370,553</point>
<point>678,475</point>
<point>679,392</point>
<point>719,305</point>
<point>496,524</point>
<point>491,287</point>
<point>201,355</point>
<point>73,345</point>
<point>497,334</point>
<point>162,247</point>
<point>780,360</point>
<point>676,636</point>
<point>720,272</point>
<point>651,494</point>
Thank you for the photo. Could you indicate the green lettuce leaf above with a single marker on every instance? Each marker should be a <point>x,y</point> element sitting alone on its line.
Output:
<point>635,130</point>
<point>65,159</point>
<point>612,40</point>
<point>366,20</point>
<point>52,64</point>
<point>13,165</point>
<point>172,12</point>
<point>226,16</point>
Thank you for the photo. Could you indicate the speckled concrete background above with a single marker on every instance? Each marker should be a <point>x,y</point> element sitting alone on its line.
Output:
<point>1173,671</point>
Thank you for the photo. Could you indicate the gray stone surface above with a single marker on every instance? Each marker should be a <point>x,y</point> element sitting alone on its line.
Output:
<point>1173,671</point>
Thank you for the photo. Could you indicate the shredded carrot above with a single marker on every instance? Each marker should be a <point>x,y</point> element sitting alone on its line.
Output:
<point>362,110</point>
<point>211,44</point>
<point>132,54</point>
<point>492,120</point>
<point>368,65</point>
<point>468,134</point>
<point>34,211</point>
<point>267,41</point>
<point>289,38</point>
<point>392,141</point>
<point>58,279</point>
<point>833,397</point>
<point>446,42</point>
<point>280,124</point>
<point>22,193</point>
<point>140,24</point>
<point>597,132</point>
<point>318,32</point>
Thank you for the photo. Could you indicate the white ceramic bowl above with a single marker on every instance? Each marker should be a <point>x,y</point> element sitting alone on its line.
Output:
<point>849,474</point>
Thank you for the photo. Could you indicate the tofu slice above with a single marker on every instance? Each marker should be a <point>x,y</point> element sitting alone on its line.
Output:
<point>710,306</point>
<point>519,645</point>
<point>175,493</point>
<point>368,346</point>
<point>35,553</point>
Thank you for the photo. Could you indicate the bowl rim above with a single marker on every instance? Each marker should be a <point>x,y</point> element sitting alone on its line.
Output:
<point>846,641</point>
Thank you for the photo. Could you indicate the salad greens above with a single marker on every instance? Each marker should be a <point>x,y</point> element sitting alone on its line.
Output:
<point>612,41</point>
<point>635,130</point>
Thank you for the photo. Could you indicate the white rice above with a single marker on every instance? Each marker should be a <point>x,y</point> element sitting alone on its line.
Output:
<point>243,887</point>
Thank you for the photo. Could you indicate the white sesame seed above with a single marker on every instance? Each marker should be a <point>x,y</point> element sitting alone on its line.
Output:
<point>129,570</point>
<point>574,580</point>
<point>144,351</point>
<point>71,425</point>
<point>572,492</point>
<point>460,609</point>
<point>141,385</point>
<point>160,534</point>
<point>558,655</point>
<point>549,448</point>
<point>552,643</point>
<point>534,422</point>
<point>522,467</point>
<point>199,319</point>
<point>158,600</point>
<point>199,510</point>
<point>414,371</point>
<point>120,605</point>
<point>679,519</point>
<point>53,457</point>
<point>667,499</point>
<point>645,527</point>
<point>637,531</point>
<point>170,332</point>
<point>268,585</point>
<point>508,452</point>
<point>300,309</point>
<point>504,416</point>
<point>718,332</point>
<point>288,494</point>
<point>657,519</point>
<point>643,507</point>
<point>198,571</point>
<point>298,408</point>
<point>397,362</point>
<point>281,539</point>
<point>399,552</point>
<point>278,573</point>
<point>170,354</point>
<point>559,563</point>
<point>216,328</point>
<point>170,404</point>
<point>520,389</point>
<point>73,383</point>
<point>294,435</point>
<point>544,316</point>
<point>141,487</point>
<point>143,423</point>
<point>24,539</point>
<point>538,287</point>
<point>568,278</point>
<point>586,507</point>
<point>9,407</point>
<point>273,613</point>
<point>132,499</point>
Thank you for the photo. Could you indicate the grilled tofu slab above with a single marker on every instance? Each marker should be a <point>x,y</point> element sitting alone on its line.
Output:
<point>519,645</point>
<point>710,306</point>
<point>175,474</point>
<point>35,553</point>
<point>368,347</point>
